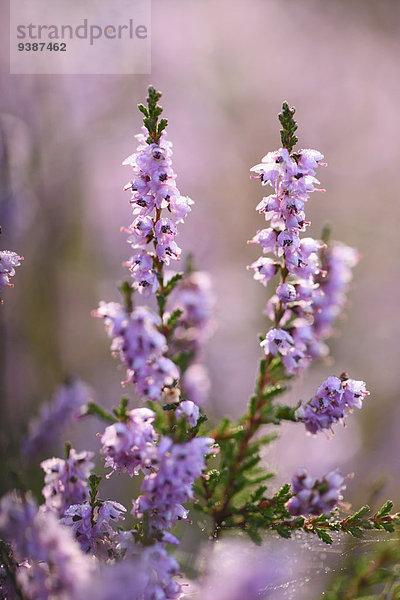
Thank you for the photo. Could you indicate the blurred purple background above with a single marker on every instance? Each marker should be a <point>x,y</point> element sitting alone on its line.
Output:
<point>224,68</point>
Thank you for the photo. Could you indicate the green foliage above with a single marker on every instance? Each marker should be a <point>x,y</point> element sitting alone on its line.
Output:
<point>151,115</point>
<point>67,449</point>
<point>183,360</point>
<point>127,292</point>
<point>163,295</point>
<point>289,126</point>
<point>121,412</point>
<point>94,482</point>
<point>94,409</point>
<point>172,283</point>
<point>173,319</point>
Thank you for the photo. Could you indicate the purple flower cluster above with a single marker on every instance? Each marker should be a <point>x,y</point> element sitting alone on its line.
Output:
<point>39,538</point>
<point>66,403</point>
<point>333,399</point>
<point>293,178</point>
<point>165,490</point>
<point>140,347</point>
<point>91,525</point>
<point>8,262</point>
<point>153,189</point>
<point>315,496</point>
<point>66,480</point>
<point>338,260</point>
<point>130,446</point>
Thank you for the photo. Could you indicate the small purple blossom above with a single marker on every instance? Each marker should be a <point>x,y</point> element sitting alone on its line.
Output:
<point>315,496</point>
<point>264,269</point>
<point>286,293</point>
<point>189,411</point>
<point>130,446</point>
<point>66,480</point>
<point>277,341</point>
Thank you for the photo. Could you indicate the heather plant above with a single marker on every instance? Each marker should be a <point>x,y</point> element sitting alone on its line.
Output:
<point>76,544</point>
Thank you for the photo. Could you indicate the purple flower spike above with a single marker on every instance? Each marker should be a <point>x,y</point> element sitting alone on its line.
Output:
<point>153,189</point>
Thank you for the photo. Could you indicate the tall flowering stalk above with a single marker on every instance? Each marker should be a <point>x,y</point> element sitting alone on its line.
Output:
<point>313,278</point>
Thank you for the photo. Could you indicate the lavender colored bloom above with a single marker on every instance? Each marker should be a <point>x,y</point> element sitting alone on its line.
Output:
<point>8,262</point>
<point>141,265</point>
<point>164,491</point>
<point>277,341</point>
<point>354,392</point>
<point>92,528</point>
<point>58,568</point>
<point>140,347</point>
<point>295,361</point>
<point>266,238</point>
<point>286,293</point>
<point>264,269</point>
<point>329,405</point>
<point>168,251</point>
<point>66,480</point>
<point>66,403</point>
<point>130,446</point>
<point>315,496</point>
<point>189,411</point>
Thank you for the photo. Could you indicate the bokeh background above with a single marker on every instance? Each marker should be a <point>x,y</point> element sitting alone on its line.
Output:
<point>224,68</point>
